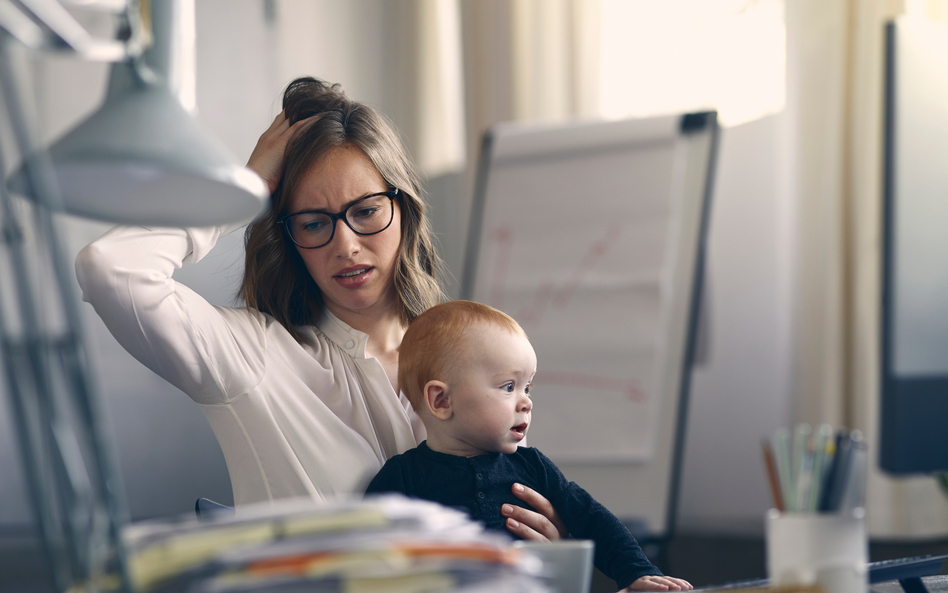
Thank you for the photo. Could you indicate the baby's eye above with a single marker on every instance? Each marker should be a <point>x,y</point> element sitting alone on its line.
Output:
<point>527,388</point>
<point>508,387</point>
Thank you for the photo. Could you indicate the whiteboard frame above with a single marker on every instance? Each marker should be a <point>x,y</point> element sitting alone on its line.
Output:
<point>637,492</point>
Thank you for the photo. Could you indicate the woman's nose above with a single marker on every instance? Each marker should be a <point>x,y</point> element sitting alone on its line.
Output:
<point>346,242</point>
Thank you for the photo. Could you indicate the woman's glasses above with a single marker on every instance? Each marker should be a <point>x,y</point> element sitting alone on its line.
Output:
<point>368,216</point>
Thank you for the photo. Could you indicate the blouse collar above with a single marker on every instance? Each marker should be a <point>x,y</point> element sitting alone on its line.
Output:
<point>339,333</point>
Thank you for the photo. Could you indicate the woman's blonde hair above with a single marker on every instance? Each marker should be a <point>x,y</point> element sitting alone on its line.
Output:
<point>434,343</point>
<point>275,279</point>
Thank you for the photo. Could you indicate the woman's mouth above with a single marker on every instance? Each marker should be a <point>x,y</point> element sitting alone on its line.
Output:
<point>354,273</point>
<point>353,277</point>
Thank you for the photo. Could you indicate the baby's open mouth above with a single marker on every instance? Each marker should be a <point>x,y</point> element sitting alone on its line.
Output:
<point>520,428</point>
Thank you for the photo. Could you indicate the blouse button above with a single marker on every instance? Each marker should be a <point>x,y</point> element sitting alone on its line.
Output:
<point>350,344</point>
<point>480,495</point>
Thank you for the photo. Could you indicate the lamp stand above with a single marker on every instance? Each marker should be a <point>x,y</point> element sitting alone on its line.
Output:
<point>74,490</point>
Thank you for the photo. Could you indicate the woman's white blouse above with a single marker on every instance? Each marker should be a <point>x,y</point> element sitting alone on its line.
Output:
<point>292,419</point>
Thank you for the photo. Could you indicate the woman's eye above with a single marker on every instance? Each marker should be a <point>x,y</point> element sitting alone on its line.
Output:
<point>310,223</point>
<point>508,387</point>
<point>365,212</point>
<point>314,226</point>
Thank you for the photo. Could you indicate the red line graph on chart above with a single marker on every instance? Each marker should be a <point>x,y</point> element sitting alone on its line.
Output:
<point>628,387</point>
<point>503,238</point>
<point>547,293</point>
<point>532,313</point>
<point>596,250</point>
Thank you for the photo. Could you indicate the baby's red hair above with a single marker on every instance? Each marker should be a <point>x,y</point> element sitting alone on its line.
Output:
<point>434,343</point>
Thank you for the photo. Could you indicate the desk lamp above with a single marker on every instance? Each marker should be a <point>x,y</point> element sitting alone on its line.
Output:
<point>139,159</point>
<point>142,159</point>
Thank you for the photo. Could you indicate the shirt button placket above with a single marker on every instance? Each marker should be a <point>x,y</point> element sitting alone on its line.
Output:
<point>481,495</point>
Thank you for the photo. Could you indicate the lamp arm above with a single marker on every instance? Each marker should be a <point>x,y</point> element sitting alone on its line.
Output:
<point>80,509</point>
<point>46,25</point>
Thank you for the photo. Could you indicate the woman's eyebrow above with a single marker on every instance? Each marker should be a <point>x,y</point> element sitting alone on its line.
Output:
<point>344,207</point>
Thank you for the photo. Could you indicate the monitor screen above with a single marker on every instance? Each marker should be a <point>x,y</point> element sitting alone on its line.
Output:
<point>914,413</point>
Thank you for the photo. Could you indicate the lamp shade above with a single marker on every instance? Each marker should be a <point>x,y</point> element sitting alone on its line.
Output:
<point>142,159</point>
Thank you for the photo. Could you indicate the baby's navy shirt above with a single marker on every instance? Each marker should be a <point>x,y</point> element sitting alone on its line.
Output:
<point>481,484</point>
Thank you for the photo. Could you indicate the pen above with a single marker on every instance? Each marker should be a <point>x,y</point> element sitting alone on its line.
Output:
<point>828,462</point>
<point>805,477</point>
<point>836,481</point>
<point>821,442</point>
<point>772,479</point>
<point>800,436</point>
<point>782,456</point>
<point>854,487</point>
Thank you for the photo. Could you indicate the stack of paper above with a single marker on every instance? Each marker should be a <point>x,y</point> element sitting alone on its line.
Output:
<point>386,544</point>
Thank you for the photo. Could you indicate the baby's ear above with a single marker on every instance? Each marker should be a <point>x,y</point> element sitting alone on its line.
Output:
<point>437,400</point>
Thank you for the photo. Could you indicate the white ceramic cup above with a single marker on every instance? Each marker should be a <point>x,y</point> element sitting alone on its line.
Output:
<point>825,549</point>
<point>567,564</point>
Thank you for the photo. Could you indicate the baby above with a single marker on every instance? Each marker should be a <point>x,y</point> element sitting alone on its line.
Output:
<point>467,369</point>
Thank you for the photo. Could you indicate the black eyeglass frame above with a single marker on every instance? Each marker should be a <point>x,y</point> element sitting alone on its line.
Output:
<point>391,195</point>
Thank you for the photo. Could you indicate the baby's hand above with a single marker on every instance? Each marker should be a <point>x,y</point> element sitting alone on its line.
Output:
<point>654,583</point>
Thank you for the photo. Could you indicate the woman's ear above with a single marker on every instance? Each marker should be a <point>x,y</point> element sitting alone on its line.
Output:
<point>437,400</point>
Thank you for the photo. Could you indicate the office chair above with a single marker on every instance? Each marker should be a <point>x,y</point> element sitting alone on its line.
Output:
<point>208,509</point>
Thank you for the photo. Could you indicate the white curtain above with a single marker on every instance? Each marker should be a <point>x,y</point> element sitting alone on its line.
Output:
<point>527,60</point>
<point>402,57</point>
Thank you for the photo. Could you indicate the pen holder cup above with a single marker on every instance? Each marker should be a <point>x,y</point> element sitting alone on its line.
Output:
<point>825,549</point>
<point>567,564</point>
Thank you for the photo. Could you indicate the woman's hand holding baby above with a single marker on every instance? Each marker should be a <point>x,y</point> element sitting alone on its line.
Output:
<point>656,583</point>
<point>544,525</point>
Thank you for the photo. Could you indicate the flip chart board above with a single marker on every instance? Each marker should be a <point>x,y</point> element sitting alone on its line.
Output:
<point>591,236</point>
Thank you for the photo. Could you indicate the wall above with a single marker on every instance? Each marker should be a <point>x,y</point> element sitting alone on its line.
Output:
<point>167,452</point>
<point>741,390</point>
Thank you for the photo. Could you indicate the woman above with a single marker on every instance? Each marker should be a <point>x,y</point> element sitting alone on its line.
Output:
<point>300,386</point>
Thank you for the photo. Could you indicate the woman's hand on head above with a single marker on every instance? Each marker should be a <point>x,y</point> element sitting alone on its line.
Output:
<point>543,525</point>
<point>266,160</point>
<point>656,583</point>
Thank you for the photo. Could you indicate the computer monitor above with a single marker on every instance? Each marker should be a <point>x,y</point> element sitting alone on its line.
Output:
<point>914,411</point>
